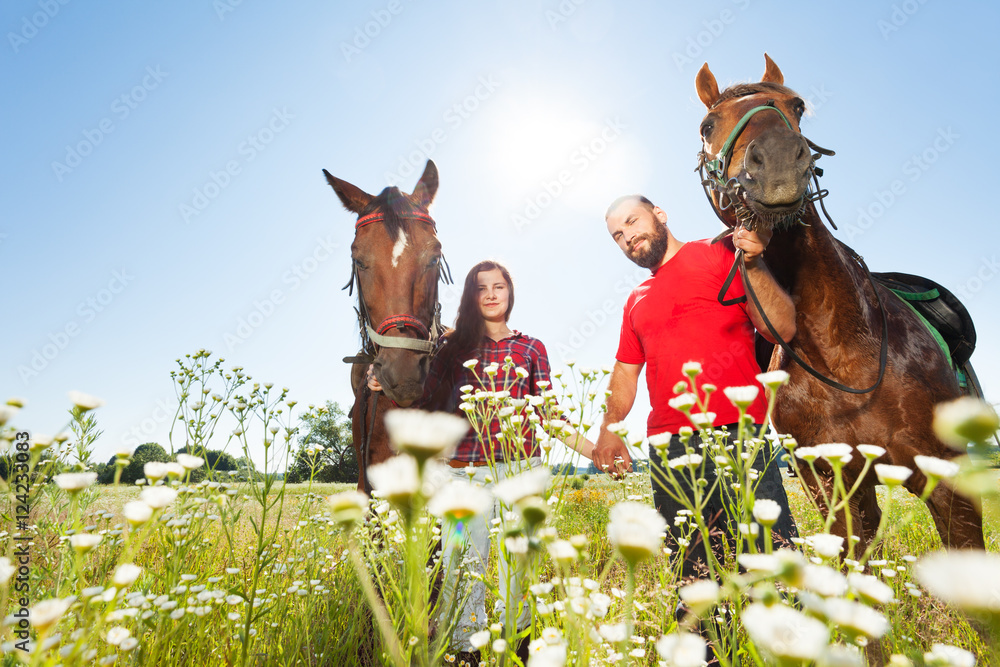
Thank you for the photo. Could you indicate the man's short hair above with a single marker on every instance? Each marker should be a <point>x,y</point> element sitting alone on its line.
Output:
<point>624,198</point>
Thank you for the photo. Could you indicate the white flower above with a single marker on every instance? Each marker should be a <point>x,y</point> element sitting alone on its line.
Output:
<point>689,460</point>
<point>684,402</point>
<point>935,468</point>
<point>742,397</point>
<point>700,595</point>
<point>48,612</point>
<point>7,570</point>
<point>512,490</point>
<point>869,588</point>
<point>613,633</point>
<point>619,429</point>
<point>190,462</point>
<point>835,452</point>
<point>471,363</point>
<point>892,475</point>
<point>826,545</point>
<point>562,551</point>
<point>702,419</point>
<point>7,413</point>
<point>807,454</point>
<point>854,617</point>
<point>691,368</point>
<point>968,579</point>
<point>460,500</point>
<point>155,470</point>
<point>773,379</point>
<point>84,542</point>
<point>659,440</point>
<point>682,649</point>
<point>499,645</point>
<point>871,451</point>
<point>964,419</point>
<point>137,512</point>
<point>75,481</point>
<point>85,402</point>
<point>635,530</point>
<point>395,479</point>
<point>158,497</point>
<point>481,638</point>
<point>823,580</point>
<point>767,563</point>
<point>785,632</point>
<point>425,435</point>
<point>117,635</point>
<point>838,655</point>
<point>945,655</point>
<point>348,507</point>
<point>174,470</point>
<point>766,511</point>
<point>126,574</point>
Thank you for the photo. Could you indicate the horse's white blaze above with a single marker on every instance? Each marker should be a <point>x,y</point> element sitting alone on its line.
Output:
<point>397,250</point>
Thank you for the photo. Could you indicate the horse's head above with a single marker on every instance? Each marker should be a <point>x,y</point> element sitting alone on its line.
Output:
<point>397,262</point>
<point>758,162</point>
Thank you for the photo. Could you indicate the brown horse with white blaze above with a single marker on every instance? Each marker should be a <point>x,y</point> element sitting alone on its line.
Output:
<point>760,167</point>
<point>397,263</point>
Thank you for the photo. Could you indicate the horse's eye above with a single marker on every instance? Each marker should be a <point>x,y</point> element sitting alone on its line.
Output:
<point>359,264</point>
<point>706,128</point>
<point>799,108</point>
<point>434,263</point>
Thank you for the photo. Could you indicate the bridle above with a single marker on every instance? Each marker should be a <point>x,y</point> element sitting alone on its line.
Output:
<point>373,337</point>
<point>713,172</point>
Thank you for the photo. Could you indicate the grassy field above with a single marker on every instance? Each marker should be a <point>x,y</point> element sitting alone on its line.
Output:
<point>311,610</point>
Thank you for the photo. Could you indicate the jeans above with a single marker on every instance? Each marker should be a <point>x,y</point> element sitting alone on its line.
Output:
<point>720,524</point>
<point>476,534</point>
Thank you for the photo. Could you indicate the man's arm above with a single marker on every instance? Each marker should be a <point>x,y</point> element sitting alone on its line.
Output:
<point>775,301</point>
<point>623,383</point>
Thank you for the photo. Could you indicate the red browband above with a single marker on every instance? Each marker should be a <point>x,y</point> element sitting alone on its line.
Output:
<point>378,216</point>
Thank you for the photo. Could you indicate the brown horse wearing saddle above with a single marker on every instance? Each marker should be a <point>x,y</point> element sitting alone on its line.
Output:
<point>396,265</point>
<point>864,367</point>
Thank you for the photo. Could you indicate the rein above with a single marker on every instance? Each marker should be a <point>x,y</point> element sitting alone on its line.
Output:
<point>713,172</point>
<point>373,338</point>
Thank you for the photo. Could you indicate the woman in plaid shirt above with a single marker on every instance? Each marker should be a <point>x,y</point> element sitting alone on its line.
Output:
<point>505,361</point>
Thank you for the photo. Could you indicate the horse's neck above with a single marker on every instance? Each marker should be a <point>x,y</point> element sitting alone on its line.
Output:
<point>819,274</point>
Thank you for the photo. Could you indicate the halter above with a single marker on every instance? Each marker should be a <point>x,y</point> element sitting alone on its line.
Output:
<point>716,170</point>
<point>373,337</point>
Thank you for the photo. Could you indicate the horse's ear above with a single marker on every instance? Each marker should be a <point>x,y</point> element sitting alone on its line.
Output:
<point>771,72</point>
<point>707,87</point>
<point>354,198</point>
<point>427,186</point>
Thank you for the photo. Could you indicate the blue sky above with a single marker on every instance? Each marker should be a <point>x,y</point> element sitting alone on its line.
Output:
<point>162,176</point>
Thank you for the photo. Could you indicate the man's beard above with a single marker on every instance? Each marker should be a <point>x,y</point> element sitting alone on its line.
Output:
<point>656,247</point>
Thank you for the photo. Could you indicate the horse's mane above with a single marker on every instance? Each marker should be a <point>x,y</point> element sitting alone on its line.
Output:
<point>395,207</point>
<point>744,89</point>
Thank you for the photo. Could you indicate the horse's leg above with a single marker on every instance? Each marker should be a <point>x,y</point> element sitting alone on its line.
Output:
<point>957,519</point>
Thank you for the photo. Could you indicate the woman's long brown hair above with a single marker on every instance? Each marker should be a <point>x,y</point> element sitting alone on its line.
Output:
<point>469,325</point>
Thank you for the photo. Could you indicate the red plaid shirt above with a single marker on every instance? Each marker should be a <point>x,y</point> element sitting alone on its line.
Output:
<point>447,375</point>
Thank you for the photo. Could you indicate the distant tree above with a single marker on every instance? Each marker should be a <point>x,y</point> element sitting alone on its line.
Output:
<point>326,446</point>
<point>142,455</point>
<point>217,462</point>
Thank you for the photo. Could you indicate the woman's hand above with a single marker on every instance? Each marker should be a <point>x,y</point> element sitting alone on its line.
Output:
<point>373,383</point>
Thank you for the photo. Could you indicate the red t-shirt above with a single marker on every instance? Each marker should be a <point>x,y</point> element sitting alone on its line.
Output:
<point>674,317</point>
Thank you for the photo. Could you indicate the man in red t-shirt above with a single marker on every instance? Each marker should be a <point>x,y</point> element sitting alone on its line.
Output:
<point>675,317</point>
